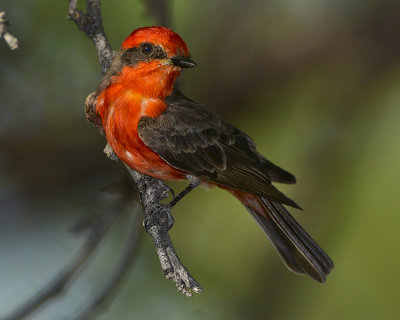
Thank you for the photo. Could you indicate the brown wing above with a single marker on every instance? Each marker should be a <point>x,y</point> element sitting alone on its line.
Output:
<point>193,139</point>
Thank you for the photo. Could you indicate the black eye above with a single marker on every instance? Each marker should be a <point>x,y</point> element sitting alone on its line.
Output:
<point>147,49</point>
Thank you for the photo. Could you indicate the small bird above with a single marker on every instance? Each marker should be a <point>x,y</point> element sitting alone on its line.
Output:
<point>156,130</point>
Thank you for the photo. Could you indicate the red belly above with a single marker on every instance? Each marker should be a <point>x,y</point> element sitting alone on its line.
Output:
<point>142,159</point>
<point>121,111</point>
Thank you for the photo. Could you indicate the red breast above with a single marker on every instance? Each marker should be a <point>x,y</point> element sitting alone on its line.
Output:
<point>121,110</point>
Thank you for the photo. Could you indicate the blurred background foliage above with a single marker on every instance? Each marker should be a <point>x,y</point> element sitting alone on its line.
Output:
<point>314,82</point>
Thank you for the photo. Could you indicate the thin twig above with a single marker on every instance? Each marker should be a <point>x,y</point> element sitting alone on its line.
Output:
<point>158,218</point>
<point>55,287</point>
<point>8,38</point>
<point>92,24</point>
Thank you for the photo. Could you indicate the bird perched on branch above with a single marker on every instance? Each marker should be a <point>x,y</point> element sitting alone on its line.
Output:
<point>157,131</point>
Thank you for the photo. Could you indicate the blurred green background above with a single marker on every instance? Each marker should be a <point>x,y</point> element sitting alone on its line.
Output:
<point>314,82</point>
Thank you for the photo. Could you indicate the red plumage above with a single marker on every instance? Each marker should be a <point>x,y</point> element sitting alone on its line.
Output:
<point>159,132</point>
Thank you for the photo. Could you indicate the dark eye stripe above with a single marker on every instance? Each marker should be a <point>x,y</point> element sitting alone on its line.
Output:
<point>135,54</point>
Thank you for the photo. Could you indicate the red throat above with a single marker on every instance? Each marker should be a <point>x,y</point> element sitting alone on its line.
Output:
<point>151,79</point>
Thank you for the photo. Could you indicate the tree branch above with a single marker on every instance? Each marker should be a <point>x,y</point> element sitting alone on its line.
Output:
<point>8,38</point>
<point>92,24</point>
<point>158,219</point>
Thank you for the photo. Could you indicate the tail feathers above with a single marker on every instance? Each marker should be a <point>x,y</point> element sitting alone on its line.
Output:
<point>298,250</point>
<point>276,173</point>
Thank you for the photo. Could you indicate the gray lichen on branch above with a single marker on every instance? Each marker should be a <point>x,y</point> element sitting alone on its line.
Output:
<point>158,219</point>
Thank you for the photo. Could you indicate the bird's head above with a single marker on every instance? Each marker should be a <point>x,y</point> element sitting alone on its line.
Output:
<point>157,44</point>
<point>149,61</point>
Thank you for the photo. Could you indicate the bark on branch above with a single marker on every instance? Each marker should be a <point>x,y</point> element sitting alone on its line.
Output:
<point>158,219</point>
<point>8,38</point>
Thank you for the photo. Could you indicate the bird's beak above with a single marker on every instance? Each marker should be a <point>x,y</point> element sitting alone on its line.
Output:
<point>182,62</point>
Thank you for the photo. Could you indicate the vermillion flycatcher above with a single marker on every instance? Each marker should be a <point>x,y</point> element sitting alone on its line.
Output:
<point>157,131</point>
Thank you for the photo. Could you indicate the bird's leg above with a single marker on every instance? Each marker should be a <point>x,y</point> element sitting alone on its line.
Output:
<point>194,183</point>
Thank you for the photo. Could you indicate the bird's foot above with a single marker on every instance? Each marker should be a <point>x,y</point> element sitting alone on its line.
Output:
<point>159,215</point>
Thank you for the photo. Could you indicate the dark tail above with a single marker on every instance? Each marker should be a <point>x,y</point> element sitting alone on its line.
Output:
<point>298,250</point>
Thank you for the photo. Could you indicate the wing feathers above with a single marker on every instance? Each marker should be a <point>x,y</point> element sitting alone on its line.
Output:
<point>191,138</point>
